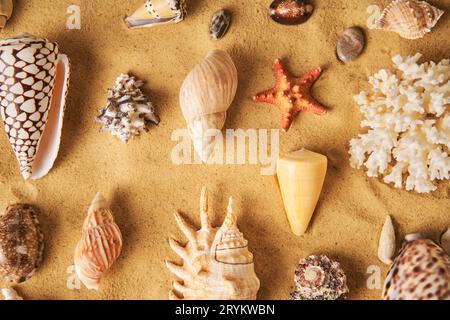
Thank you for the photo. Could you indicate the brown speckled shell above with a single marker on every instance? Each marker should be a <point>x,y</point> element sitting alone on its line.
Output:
<point>21,243</point>
<point>290,12</point>
<point>420,272</point>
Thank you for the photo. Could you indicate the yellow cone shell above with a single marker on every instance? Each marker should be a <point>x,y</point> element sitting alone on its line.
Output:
<point>300,176</point>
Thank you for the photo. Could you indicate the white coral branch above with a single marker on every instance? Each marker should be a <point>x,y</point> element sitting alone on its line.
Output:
<point>407,123</point>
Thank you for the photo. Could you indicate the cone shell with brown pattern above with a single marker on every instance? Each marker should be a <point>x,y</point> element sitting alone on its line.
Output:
<point>34,79</point>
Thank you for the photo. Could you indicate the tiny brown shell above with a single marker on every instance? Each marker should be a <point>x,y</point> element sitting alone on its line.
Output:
<point>220,24</point>
<point>290,12</point>
<point>351,44</point>
<point>21,243</point>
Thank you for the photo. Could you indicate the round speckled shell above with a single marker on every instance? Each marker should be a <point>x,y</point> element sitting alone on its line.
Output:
<point>329,281</point>
<point>420,272</point>
<point>27,75</point>
<point>21,243</point>
<point>220,23</point>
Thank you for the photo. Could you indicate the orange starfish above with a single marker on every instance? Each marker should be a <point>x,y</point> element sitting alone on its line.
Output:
<point>292,95</point>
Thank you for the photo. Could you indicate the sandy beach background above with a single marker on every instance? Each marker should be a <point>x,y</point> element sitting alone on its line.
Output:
<point>145,188</point>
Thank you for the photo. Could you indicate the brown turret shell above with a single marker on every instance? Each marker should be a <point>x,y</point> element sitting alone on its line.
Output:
<point>21,243</point>
<point>319,278</point>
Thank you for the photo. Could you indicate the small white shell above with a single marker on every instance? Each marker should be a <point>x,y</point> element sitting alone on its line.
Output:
<point>6,11</point>
<point>386,248</point>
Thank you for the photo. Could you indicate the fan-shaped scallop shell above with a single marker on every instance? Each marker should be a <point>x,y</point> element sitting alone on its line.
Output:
<point>217,264</point>
<point>33,86</point>
<point>100,244</point>
<point>411,19</point>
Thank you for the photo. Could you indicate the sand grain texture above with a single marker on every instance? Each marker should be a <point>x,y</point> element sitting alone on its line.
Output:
<point>145,187</point>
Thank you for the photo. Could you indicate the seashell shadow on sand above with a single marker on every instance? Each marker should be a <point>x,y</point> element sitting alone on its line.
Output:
<point>442,27</point>
<point>263,248</point>
<point>24,192</point>
<point>119,203</point>
<point>80,90</point>
<point>19,6</point>
<point>193,6</point>
<point>337,168</point>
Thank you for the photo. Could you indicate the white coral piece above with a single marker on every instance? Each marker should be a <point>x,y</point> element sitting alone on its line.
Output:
<point>408,125</point>
<point>128,111</point>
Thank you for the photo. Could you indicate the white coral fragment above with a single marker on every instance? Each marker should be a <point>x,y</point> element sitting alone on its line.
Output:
<point>128,111</point>
<point>407,141</point>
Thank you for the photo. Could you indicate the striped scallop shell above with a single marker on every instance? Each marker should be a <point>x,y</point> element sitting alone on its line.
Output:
<point>420,272</point>
<point>28,69</point>
<point>411,19</point>
<point>100,244</point>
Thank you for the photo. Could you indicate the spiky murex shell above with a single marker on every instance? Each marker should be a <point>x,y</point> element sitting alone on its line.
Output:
<point>217,264</point>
